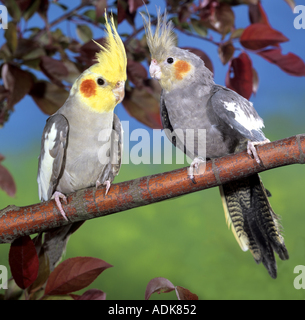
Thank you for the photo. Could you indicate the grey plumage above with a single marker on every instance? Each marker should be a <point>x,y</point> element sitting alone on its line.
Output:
<point>84,167</point>
<point>74,161</point>
<point>81,144</point>
<point>223,123</point>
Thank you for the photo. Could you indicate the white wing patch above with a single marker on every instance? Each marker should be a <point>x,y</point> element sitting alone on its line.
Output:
<point>46,168</point>
<point>246,120</point>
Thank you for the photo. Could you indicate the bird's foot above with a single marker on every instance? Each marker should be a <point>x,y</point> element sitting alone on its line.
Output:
<point>97,184</point>
<point>57,196</point>
<point>107,183</point>
<point>252,151</point>
<point>195,169</point>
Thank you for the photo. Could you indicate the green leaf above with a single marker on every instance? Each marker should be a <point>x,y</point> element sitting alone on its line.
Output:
<point>236,33</point>
<point>31,10</point>
<point>11,36</point>
<point>13,10</point>
<point>90,14</point>
<point>199,28</point>
<point>84,32</point>
<point>34,54</point>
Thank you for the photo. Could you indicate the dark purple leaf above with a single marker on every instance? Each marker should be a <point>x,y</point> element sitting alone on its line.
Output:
<point>23,261</point>
<point>289,62</point>
<point>74,274</point>
<point>242,79</point>
<point>259,35</point>
<point>158,285</point>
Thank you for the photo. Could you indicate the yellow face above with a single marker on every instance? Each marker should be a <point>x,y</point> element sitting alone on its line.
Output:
<point>101,87</point>
<point>98,93</point>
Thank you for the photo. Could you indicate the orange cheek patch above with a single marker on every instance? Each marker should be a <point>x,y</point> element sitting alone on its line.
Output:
<point>182,67</point>
<point>88,88</point>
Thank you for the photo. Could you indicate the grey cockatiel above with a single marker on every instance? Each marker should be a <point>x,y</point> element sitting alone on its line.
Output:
<point>81,144</point>
<point>228,123</point>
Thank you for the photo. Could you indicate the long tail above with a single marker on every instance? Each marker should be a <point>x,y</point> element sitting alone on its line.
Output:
<point>55,242</point>
<point>254,224</point>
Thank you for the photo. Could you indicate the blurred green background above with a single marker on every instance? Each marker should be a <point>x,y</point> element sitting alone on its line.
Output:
<point>185,240</point>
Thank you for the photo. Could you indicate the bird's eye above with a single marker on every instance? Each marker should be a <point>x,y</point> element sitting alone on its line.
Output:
<point>170,60</point>
<point>100,81</point>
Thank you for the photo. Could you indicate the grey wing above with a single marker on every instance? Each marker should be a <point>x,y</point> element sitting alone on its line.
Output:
<point>52,155</point>
<point>116,145</point>
<point>238,113</point>
<point>176,137</point>
<point>112,168</point>
<point>168,129</point>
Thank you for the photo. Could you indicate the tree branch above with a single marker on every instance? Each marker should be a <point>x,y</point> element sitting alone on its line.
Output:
<point>92,203</point>
<point>64,17</point>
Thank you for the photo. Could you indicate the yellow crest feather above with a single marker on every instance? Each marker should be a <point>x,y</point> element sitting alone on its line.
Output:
<point>112,60</point>
<point>163,39</point>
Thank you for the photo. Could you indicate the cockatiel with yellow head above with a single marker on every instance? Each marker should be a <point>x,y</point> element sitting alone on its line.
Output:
<point>81,144</point>
<point>228,123</point>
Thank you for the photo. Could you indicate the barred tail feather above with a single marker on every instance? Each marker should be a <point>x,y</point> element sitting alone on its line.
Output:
<point>254,223</point>
<point>237,226</point>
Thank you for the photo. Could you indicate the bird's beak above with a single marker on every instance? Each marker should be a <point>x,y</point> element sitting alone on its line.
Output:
<point>155,70</point>
<point>119,91</point>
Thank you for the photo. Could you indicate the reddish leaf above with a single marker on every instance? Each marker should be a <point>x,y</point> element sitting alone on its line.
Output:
<point>158,285</point>
<point>7,183</point>
<point>136,73</point>
<point>218,17</point>
<point>4,93</point>
<point>135,4</point>
<point>121,5</point>
<point>125,13</point>
<point>185,294</point>
<point>43,272</point>
<point>259,35</point>
<point>226,52</point>
<point>88,51</point>
<point>242,81</point>
<point>92,294</point>
<point>144,104</point>
<point>100,6</point>
<point>184,13</point>
<point>255,81</point>
<point>257,14</point>
<point>48,96</point>
<point>18,82</point>
<point>207,61</point>
<point>291,4</point>
<point>54,69</point>
<point>23,261</point>
<point>74,274</point>
<point>289,63</point>
<point>28,49</point>
<point>43,8</point>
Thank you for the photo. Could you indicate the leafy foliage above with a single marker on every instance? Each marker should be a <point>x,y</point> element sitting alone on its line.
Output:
<point>160,285</point>
<point>30,55</point>
<point>43,63</point>
<point>30,270</point>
